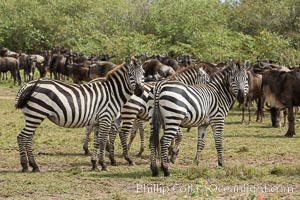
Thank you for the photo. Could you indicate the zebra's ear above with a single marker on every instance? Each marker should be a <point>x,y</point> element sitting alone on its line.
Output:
<point>247,65</point>
<point>231,64</point>
<point>127,60</point>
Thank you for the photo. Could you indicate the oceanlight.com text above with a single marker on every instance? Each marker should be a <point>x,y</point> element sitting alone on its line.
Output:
<point>189,188</point>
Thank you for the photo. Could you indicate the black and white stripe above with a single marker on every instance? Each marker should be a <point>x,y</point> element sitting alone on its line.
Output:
<point>173,104</point>
<point>136,107</point>
<point>74,106</point>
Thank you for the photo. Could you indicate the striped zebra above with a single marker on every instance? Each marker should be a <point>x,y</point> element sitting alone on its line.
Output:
<point>173,104</point>
<point>136,107</point>
<point>73,106</point>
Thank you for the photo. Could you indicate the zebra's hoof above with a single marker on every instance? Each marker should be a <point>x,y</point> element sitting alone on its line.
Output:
<point>105,169</point>
<point>36,170</point>
<point>87,153</point>
<point>155,173</point>
<point>24,170</point>
<point>114,163</point>
<point>96,169</point>
<point>167,173</point>
<point>154,169</point>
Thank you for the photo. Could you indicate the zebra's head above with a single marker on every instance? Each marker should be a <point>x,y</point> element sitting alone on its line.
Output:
<point>239,80</point>
<point>136,76</point>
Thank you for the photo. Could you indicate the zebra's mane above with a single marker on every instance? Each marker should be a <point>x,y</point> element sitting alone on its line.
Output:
<point>222,74</point>
<point>183,70</point>
<point>114,70</point>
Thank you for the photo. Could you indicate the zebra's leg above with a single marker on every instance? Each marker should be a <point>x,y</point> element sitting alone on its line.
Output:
<point>249,112</point>
<point>175,149</point>
<point>22,150</point>
<point>31,159</point>
<point>133,133</point>
<point>142,137</point>
<point>88,131</point>
<point>104,126</point>
<point>218,127</point>
<point>112,136</point>
<point>243,113</point>
<point>165,142</point>
<point>96,148</point>
<point>126,127</point>
<point>153,149</point>
<point>25,144</point>
<point>201,142</point>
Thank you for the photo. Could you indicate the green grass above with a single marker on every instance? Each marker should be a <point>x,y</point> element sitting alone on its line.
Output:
<point>254,155</point>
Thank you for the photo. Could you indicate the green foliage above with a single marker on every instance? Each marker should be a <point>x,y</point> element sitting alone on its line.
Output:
<point>209,29</point>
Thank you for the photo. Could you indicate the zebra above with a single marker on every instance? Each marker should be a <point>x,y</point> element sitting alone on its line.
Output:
<point>74,106</point>
<point>173,104</point>
<point>137,107</point>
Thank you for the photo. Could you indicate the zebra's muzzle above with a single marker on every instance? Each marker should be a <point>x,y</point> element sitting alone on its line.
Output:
<point>241,97</point>
<point>139,89</point>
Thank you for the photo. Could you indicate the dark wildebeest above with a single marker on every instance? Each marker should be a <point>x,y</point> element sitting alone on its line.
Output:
<point>87,71</point>
<point>281,90</point>
<point>79,73</point>
<point>106,57</point>
<point>40,63</point>
<point>26,63</point>
<point>261,67</point>
<point>59,65</point>
<point>78,68</point>
<point>211,68</point>
<point>11,64</point>
<point>168,61</point>
<point>155,70</point>
<point>100,69</point>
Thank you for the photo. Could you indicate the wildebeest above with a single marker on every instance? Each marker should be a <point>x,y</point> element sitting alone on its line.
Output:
<point>168,61</point>
<point>281,90</point>
<point>11,64</point>
<point>211,68</point>
<point>79,73</point>
<point>40,63</point>
<point>86,71</point>
<point>100,69</point>
<point>27,63</point>
<point>155,70</point>
<point>59,65</point>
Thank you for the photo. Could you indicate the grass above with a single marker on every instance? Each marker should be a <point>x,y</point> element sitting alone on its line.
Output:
<point>254,156</point>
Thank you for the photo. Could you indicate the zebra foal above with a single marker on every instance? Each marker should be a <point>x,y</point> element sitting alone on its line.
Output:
<point>173,104</point>
<point>73,106</point>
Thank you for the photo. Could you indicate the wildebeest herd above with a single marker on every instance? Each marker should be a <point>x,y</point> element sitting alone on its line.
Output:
<point>171,93</point>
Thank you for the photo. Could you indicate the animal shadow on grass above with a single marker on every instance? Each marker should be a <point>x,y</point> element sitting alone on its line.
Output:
<point>255,136</point>
<point>9,172</point>
<point>234,123</point>
<point>136,174</point>
<point>60,154</point>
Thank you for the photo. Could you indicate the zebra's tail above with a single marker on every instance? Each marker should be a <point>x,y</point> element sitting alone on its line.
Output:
<point>25,93</point>
<point>156,117</point>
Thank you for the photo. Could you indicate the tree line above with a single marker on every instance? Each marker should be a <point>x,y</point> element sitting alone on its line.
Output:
<point>212,30</point>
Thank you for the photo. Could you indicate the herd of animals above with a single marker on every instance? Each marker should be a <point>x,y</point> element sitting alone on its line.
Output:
<point>171,93</point>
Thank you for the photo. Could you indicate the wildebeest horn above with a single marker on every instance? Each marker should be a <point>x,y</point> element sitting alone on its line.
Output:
<point>260,65</point>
